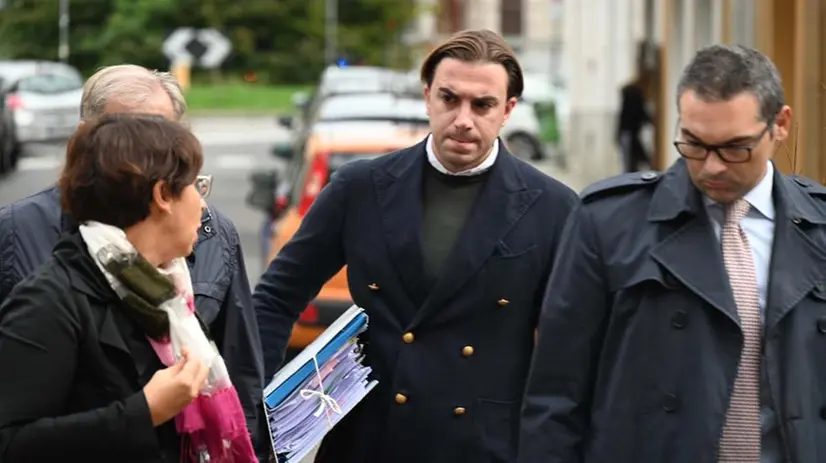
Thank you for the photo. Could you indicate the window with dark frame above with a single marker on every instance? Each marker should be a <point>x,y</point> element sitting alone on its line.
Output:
<point>511,17</point>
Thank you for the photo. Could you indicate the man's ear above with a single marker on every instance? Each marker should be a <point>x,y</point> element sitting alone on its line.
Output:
<point>426,93</point>
<point>783,124</point>
<point>509,105</point>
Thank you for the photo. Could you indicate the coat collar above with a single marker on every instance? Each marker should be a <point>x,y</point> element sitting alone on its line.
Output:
<point>481,168</point>
<point>676,195</point>
<point>117,330</point>
<point>798,257</point>
<point>411,161</point>
<point>502,201</point>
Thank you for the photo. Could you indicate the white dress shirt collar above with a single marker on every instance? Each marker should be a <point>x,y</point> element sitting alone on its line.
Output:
<point>760,197</point>
<point>484,166</point>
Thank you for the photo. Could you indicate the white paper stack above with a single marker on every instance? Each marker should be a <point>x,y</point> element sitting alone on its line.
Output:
<point>299,412</point>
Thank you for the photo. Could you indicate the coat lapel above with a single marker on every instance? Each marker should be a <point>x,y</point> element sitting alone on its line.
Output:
<point>798,263</point>
<point>399,193</point>
<point>116,331</point>
<point>686,232</point>
<point>502,201</point>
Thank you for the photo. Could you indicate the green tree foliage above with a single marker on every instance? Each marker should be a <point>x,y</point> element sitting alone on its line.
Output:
<point>279,40</point>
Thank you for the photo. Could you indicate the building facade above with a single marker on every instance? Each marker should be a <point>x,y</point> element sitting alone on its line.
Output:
<point>602,40</point>
<point>534,28</point>
<point>791,32</point>
<point>594,47</point>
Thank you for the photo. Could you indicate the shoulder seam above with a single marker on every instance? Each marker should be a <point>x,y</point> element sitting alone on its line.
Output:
<point>620,184</point>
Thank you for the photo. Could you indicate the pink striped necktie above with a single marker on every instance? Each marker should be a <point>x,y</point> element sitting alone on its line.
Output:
<point>740,441</point>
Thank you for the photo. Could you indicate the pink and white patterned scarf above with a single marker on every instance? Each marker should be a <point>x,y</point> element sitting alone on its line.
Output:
<point>212,427</point>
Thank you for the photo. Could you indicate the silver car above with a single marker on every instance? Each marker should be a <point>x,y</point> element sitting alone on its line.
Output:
<point>43,98</point>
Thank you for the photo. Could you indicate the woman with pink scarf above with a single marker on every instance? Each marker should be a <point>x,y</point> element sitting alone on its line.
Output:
<point>102,356</point>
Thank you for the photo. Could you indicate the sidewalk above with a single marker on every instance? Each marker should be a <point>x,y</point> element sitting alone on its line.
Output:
<point>575,181</point>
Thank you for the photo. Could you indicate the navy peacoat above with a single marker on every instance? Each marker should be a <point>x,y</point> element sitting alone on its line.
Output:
<point>451,362</point>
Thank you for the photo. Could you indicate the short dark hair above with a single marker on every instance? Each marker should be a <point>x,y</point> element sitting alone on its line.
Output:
<point>113,164</point>
<point>473,46</point>
<point>721,72</point>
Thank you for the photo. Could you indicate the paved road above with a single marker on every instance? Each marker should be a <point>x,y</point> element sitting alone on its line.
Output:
<point>234,147</point>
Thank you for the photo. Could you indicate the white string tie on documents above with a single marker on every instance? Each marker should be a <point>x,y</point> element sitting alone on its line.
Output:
<point>326,402</point>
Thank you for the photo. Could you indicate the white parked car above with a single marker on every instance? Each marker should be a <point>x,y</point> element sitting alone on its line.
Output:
<point>521,133</point>
<point>43,98</point>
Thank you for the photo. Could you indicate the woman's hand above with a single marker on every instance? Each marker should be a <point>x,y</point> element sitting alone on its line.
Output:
<point>175,387</point>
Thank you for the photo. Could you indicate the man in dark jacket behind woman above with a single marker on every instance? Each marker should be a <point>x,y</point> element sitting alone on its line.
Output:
<point>30,228</point>
<point>103,355</point>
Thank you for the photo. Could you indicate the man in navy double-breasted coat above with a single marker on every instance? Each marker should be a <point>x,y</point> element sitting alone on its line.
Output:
<point>448,246</point>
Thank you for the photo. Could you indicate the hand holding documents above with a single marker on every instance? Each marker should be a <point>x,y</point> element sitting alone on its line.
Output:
<point>314,391</point>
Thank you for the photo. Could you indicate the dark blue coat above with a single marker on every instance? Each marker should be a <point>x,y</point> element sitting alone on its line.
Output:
<point>463,374</point>
<point>639,340</point>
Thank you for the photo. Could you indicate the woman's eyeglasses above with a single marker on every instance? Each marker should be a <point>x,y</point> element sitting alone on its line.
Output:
<point>204,184</point>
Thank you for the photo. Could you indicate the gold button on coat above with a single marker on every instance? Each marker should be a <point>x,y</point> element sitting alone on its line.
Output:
<point>373,286</point>
<point>459,411</point>
<point>401,398</point>
<point>503,302</point>
<point>467,351</point>
<point>408,338</point>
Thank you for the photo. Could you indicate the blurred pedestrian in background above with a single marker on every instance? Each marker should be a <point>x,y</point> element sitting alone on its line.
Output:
<point>632,119</point>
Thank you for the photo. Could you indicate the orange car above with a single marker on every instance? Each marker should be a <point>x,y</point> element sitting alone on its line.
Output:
<point>309,172</point>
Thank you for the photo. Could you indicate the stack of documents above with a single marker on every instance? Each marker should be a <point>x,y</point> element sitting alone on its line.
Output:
<point>314,391</point>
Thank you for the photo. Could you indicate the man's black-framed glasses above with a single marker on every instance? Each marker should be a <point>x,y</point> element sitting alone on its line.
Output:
<point>730,153</point>
<point>204,185</point>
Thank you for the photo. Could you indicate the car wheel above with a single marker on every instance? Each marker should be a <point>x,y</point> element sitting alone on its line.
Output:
<point>524,147</point>
<point>7,161</point>
<point>15,154</point>
<point>10,153</point>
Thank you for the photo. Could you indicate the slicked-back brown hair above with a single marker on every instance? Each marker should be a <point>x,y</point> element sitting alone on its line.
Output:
<point>113,164</point>
<point>477,45</point>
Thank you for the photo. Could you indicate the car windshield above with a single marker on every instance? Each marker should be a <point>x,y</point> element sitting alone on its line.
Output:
<point>381,108</point>
<point>334,162</point>
<point>354,86</point>
<point>337,160</point>
<point>49,83</point>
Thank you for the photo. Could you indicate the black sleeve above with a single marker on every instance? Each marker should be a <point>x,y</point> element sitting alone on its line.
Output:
<point>557,405</point>
<point>9,274</point>
<point>308,260</point>
<point>236,334</point>
<point>39,342</point>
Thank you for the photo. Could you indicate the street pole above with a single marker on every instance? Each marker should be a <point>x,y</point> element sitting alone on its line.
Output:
<point>330,31</point>
<point>63,24</point>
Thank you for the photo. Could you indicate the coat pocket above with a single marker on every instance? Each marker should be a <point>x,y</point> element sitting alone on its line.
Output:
<point>497,424</point>
<point>514,277</point>
<point>503,251</point>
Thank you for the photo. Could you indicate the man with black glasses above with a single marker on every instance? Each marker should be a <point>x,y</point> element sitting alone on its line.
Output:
<point>687,310</point>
